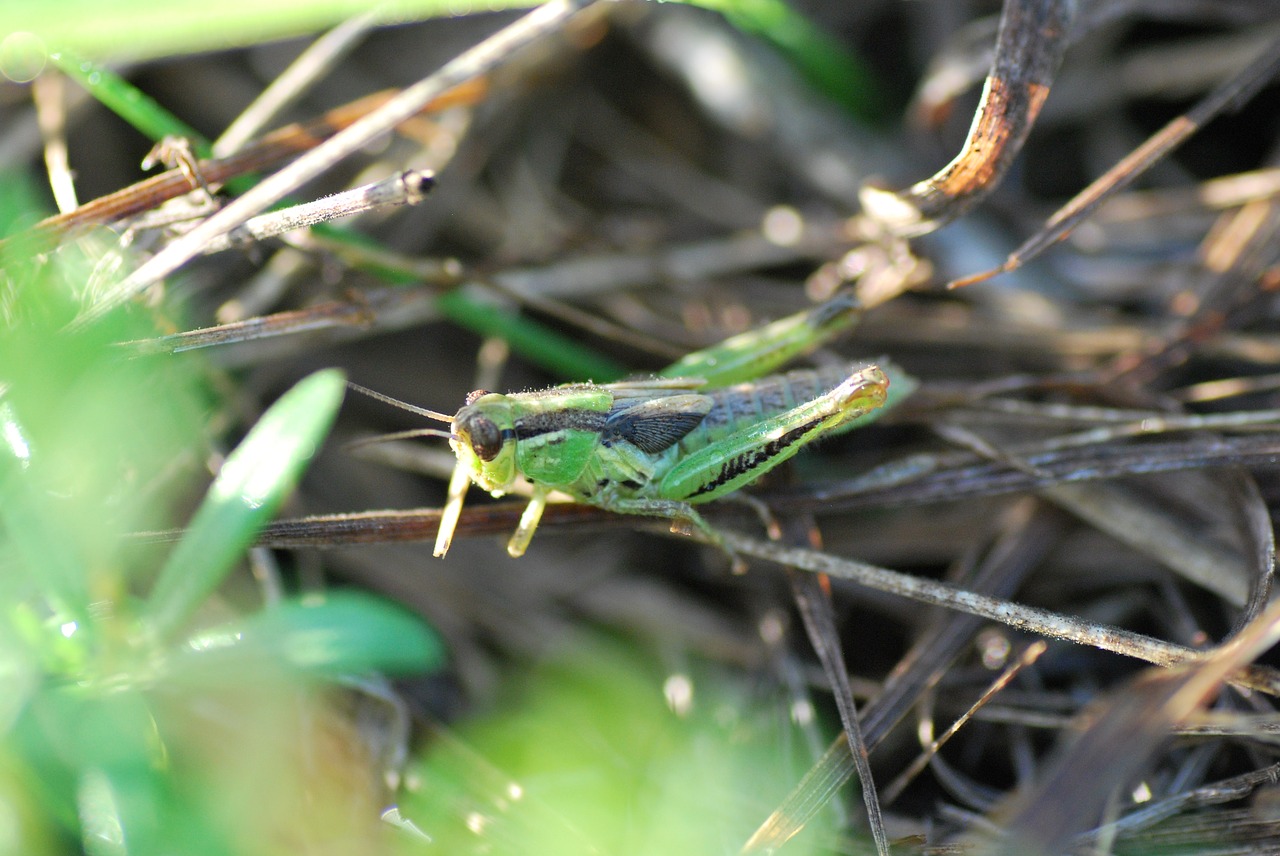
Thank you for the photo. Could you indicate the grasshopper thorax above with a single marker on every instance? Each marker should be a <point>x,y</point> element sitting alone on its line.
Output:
<point>483,438</point>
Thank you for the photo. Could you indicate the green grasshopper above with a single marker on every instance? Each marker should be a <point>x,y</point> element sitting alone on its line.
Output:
<point>659,446</point>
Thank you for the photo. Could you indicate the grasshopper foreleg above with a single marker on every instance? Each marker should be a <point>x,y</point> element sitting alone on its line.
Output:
<point>452,510</point>
<point>528,524</point>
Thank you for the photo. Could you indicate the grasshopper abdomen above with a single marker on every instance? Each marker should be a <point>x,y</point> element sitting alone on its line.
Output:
<point>736,407</point>
<point>750,442</point>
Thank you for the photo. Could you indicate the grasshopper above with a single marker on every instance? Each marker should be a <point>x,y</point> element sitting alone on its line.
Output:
<point>659,446</point>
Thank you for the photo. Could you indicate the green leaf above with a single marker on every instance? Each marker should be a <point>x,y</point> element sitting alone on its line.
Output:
<point>343,633</point>
<point>254,481</point>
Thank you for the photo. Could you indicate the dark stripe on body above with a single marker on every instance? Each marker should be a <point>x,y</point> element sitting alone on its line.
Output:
<point>748,461</point>
<point>571,419</point>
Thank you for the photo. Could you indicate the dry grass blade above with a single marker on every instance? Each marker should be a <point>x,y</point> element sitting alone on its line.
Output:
<point>1026,536</point>
<point>401,106</point>
<point>1030,43</point>
<point>812,595</point>
<point>1234,92</point>
<point>1020,616</point>
<point>1118,739</point>
<point>266,153</point>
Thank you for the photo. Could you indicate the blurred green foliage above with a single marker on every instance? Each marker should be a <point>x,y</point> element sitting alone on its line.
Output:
<point>604,749</point>
<point>138,710</point>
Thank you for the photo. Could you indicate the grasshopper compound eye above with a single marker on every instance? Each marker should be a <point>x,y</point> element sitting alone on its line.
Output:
<point>485,437</point>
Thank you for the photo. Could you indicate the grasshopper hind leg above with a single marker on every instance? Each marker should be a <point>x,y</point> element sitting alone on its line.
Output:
<point>683,516</point>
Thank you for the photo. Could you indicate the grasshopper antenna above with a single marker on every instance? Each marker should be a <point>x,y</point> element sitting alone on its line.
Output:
<point>403,405</point>
<point>458,483</point>
<point>411,434</point>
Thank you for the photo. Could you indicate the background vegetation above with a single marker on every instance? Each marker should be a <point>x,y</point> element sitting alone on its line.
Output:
<point>1094,436</point>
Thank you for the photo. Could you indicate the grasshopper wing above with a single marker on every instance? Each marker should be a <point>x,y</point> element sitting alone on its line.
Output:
<point>657,424</point>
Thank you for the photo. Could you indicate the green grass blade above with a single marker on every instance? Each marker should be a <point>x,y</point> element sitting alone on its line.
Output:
<point>141,29</point>
<point>542,345</point>
<point>345,633</point>
<point>127,101</point>
<point>253,482</point>
<point>536,342</point>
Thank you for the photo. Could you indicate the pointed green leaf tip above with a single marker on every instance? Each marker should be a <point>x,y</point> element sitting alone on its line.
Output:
<point>254,481</point>
<point>344,632</point>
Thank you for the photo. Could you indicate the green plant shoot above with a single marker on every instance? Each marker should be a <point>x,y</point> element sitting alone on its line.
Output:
<point>707,426</point>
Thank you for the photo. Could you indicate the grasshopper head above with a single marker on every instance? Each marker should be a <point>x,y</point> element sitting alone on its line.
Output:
<point>483,438</point>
